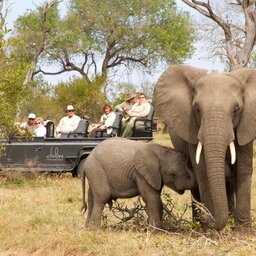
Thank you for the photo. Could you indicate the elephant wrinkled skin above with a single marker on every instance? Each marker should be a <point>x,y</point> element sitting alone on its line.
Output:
<point>214,111</point>
<point>122,168</point>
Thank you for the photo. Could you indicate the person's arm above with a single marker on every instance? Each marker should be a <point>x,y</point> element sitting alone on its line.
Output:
<point>120,107</point>
<point>139,110</point>
<point>23,125</point>
<point>58,128</point>
<point>145,110</point>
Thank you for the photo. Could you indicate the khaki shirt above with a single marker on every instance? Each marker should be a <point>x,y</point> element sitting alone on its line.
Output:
<point>139,110</point>
<point>124,106</point>
<point>29,128</point>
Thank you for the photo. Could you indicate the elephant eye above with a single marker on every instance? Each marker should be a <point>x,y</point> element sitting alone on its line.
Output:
<point>196,108</point>
<point>236,109</point>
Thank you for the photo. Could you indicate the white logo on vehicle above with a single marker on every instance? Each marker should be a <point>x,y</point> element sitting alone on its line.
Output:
<point>54,154</point>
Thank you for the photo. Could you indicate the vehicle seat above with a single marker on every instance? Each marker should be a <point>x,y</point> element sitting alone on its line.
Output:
<point>144,126</point>
<point>80,131</point>
<point>49,129</point>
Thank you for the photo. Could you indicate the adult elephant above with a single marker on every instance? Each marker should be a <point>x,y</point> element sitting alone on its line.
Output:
<point>213,111</point>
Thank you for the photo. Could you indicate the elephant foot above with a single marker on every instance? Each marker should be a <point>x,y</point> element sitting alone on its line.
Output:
<point>243,230</point>
<point>92,227</point>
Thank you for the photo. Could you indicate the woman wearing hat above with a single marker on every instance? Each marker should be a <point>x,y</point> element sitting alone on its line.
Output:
<point>140,109</point>
<point>69,122</point>
<point>127,104</point>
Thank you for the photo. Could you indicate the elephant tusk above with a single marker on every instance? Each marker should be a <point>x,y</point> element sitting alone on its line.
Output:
<point>232,152</point>
<point>198,152</point>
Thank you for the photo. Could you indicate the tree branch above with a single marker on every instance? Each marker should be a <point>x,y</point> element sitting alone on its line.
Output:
<point>41,47</point>
<point>240,58</point>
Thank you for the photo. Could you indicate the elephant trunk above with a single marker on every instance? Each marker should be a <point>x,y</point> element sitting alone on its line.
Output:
<point>215,142</point>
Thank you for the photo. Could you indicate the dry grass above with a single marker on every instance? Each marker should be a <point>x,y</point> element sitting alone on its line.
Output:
<point>40,215</point>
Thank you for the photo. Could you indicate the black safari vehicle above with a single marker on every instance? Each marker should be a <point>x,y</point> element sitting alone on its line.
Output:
<point>65,153</point>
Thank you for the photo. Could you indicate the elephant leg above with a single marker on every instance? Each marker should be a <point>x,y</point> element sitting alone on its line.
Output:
<point>95,219</point>
<point>90,206</point>
<point>243,187</point>
<point>230,195</point>
<point>155,210</point>
<point>98,195</point>
<point>152,199</point>
<point>195,213</point>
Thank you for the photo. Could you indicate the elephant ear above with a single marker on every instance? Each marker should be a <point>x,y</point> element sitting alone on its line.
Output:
<point>172,99</point>
<point>147,165</point>
<point>246,130</point>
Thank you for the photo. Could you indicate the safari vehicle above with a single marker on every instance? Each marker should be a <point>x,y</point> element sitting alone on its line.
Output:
<point>63,154</point>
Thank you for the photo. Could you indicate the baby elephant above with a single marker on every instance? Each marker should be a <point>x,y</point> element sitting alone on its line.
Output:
<point>122,168</point>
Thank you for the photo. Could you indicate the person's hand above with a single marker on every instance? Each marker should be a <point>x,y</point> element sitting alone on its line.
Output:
<point>127,113</point>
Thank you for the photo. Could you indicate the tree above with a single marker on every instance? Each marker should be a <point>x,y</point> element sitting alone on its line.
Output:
<point>12,72</point>
<point>237,22</point>
<point>35,37</point>
<point>87,99</point>
<point>98,36</point>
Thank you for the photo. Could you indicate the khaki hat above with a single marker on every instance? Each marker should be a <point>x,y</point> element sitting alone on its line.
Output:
<point>130,96</point>
<point>70,107</point>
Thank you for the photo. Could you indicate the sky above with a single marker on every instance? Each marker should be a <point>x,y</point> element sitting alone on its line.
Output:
<point>19,7</point>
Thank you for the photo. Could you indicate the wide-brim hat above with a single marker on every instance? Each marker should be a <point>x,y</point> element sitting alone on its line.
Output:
<point>130,96</point>
<point>70,107</point>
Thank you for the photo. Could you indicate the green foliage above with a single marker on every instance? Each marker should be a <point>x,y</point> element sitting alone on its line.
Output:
<point>11,89</point>
<point>32,35</point>
<point>149,30</point>
<point>86,98</point>
<point>98,36</point>
<point>95,38</point>
<point>39,100</point>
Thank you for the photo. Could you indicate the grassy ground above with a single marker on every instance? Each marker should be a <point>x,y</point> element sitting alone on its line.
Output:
<point>40,215</point>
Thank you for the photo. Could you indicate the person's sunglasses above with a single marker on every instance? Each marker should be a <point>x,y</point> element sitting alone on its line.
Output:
<point>31,119</point>
<point>70,110</point>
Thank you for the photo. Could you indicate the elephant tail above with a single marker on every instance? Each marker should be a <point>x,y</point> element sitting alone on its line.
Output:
<point>84,204</point>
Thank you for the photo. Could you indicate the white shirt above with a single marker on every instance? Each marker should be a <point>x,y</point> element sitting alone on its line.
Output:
<point>40,131</point>
<point>108,120</point>
<point>68,124</point>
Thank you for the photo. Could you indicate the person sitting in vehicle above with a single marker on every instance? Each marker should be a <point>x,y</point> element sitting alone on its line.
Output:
<point>40,131</point>
<point>106,120</point>
<point>67,123</point>
<point>30,125</point>
<point>139,109</point>
<point>127,104</point>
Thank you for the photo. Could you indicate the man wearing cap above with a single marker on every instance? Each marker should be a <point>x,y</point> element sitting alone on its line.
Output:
<point>127,104</point>
<point>30,125</point>
<point>69,122</point>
